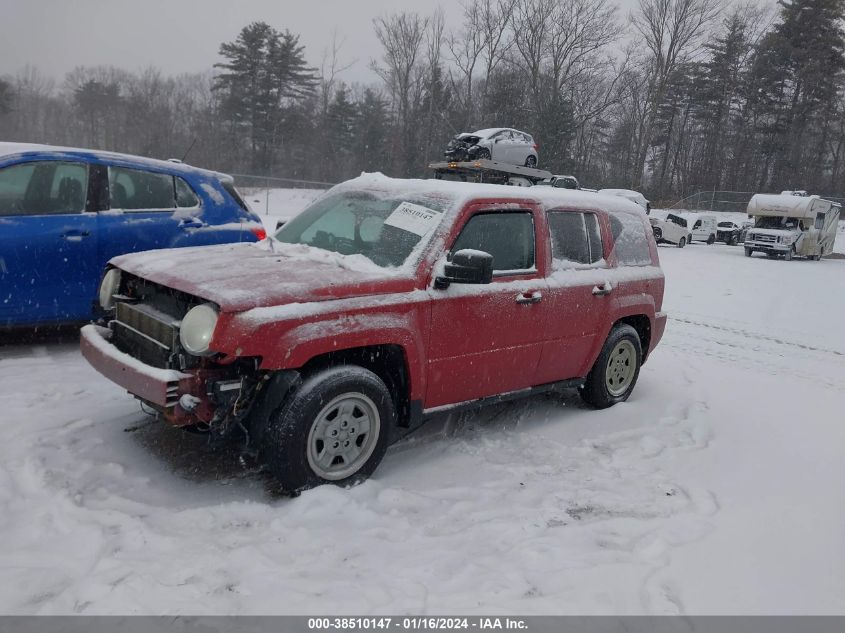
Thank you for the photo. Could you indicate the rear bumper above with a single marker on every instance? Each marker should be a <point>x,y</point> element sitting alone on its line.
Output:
<point>657,330</point>
<point>161,387</point>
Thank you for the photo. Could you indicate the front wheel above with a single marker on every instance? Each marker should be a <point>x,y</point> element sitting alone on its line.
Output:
<point>788,255</point>
<point>682,242</point>
<point>616,370</point>
<point>711,239</point>
<point>748,251</point>
<point>333,429</point>
<point>483,154</point>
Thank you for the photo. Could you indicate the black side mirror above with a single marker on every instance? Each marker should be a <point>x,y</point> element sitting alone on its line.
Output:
<point>467,266</point>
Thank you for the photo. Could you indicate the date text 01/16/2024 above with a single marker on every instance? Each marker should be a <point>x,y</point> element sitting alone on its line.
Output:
<point>415,623</point>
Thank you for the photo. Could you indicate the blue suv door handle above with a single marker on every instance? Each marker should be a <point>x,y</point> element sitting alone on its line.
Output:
<point>75,235</point>
<point>192,223</point>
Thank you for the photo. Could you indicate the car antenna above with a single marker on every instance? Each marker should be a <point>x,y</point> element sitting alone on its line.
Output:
<point>189,149</point>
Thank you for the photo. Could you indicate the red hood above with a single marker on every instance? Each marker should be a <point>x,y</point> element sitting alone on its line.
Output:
<point>238,277</point>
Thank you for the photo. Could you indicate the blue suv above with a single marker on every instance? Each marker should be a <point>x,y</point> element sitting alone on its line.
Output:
<point>65,212</point>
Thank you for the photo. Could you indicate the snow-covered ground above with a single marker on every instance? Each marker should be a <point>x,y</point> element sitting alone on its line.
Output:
<point>717,488</point>
<point>274,205</point>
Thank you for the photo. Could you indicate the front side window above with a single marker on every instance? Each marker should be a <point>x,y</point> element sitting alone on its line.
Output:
<point>384,230</point>
<point>43,188</point>
<point>138,190</point>
<point>677,220</point>
<point>630,242</point>
<point>508,237</point>
<point>576,237</point>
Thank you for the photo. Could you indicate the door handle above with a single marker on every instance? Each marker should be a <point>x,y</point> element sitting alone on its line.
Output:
<point>527,298</point>
<point>75,235</point>
<point>604,289</point>
<point>192,223</point>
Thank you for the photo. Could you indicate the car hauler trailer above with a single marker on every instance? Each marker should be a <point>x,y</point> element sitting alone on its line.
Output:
<point>490,171</point>
<point>790,225</point>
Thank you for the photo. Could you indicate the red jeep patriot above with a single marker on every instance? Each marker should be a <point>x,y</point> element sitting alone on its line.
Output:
<point>383,302</point>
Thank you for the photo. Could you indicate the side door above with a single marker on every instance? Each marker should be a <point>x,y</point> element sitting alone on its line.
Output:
<point>48,243</point>
<point>580,290</point>
<point>487,339</point>
<point>143,212</point>
<point>499,146</point>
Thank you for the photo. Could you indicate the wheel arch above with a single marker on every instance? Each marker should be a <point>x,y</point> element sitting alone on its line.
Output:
<point>642,324</point>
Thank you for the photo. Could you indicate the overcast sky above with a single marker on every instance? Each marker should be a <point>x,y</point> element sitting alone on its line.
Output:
<point>182,35</point>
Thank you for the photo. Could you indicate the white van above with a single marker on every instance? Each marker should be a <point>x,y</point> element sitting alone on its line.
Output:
<point>702,226</point>
<point>788,225</point>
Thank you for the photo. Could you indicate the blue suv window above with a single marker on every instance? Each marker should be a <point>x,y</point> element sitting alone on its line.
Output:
<point>185,196</point>
<point>43,188</point>
<point>135,189</point>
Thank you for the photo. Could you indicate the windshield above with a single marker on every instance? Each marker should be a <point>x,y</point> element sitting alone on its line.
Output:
<point>384,230</point>
<point>776,222</point>
<point>726,225</point>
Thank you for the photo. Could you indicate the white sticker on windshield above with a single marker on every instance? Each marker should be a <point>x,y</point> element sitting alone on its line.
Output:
<point>413,218</point>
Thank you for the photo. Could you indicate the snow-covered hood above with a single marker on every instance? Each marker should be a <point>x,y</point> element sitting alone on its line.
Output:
<point>239,277</point>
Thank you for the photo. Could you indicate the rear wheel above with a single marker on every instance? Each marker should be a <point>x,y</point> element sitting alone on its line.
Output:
<point>615,372</point>
<point>748,251</point>
<point>332,429</point>
<point>682,242</point>
<point>531,161</point>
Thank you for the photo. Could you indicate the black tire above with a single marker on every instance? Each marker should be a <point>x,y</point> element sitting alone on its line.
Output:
<point>595,391</point>
<point>788,255</point>
<point>711,239</point>
<point>285,444</point>
<point>531,161</point>
<point>658,233</point>
<point>748,251</point>
<point>483,154</point>
<point>682,242</point>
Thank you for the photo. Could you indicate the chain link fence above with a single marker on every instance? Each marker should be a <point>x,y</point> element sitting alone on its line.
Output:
<point>725,201</point>
<point>269,195</point>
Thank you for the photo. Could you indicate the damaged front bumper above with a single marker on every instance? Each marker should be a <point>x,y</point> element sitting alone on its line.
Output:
<point>201,397</point>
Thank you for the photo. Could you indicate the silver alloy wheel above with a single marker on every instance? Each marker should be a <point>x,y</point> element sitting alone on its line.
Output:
<point>621,367</point>
<point>343,436</point>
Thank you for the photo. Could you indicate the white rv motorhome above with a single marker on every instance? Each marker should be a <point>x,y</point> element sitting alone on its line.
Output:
<point>790,225</point>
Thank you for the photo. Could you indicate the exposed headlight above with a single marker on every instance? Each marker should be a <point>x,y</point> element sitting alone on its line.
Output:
<point>788,239</point>
<point>196,329</point>
<point>109,287</point>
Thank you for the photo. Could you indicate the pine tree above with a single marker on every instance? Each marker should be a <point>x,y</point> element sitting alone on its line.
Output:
<point>265,69</point>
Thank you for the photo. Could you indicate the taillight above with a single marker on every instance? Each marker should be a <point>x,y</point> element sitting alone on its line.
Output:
<point>536,147</point>
<point>259,232</point>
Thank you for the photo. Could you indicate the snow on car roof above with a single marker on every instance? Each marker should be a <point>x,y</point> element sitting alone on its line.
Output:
<point>489,131</point>
<point>782,205</point>
<point>20,149</point>
<point>456,194</point>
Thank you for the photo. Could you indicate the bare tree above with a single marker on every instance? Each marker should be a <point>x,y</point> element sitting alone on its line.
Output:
<point>330,67</point>
<point>401,36</point>
<point>671,31</point>
<point>495,20</point>
<point>466,45</point>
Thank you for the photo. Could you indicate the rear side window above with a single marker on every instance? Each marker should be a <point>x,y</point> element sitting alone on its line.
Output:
<point>43,188</point>
<point>819,221</point>
<point>138,190</point>
<point>576,237</point>
<point>508,237</point>
<point>230,189</point>
<point>630,242</point>
<point>185,196</point>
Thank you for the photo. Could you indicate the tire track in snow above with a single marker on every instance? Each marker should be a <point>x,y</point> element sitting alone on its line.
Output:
<point>769,354</point>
